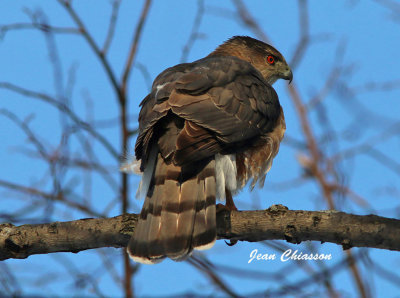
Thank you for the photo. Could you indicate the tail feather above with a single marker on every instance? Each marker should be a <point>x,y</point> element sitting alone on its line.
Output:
<point>205,233</point>
<point>178,214</point>
<point>180,220</point>
<point>146,219</point>
<point>152,227</point>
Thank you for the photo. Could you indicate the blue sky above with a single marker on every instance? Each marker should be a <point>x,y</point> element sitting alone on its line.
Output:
<point>370,39</point>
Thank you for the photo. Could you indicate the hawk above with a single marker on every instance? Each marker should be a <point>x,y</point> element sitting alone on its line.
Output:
<point>206,129</point>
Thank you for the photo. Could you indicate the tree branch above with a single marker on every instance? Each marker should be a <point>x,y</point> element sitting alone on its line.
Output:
<point>275,223</point>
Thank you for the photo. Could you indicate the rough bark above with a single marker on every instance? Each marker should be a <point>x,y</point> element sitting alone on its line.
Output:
<point>275,223</point>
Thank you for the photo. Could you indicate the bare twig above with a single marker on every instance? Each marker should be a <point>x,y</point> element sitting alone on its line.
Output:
<point>4,29</point>
<point>304,34</point>
<point>194,34</point>
<point>63,108</point>
<point>249,21</point>
<point>134,45</point>
<point>56,197</point>
<point>88,37</point>
<point>209,271</point>
<point>367,145</point>
<point>111,26</point>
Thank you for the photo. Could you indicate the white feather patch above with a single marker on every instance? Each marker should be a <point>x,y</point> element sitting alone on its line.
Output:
<point>205,246</point>
<point>159,87</point>
<point>225,174</point>
<point>131,167</point>
<point>144,260</point>
<point>147,174</point>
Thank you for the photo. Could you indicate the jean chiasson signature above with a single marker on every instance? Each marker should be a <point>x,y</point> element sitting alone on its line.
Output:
<point>288,255</point>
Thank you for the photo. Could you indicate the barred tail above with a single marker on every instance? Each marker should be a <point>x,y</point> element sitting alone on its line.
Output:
<point>178,214</point>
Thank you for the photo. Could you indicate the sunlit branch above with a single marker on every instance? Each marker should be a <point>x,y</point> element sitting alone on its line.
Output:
<point>275,223</point>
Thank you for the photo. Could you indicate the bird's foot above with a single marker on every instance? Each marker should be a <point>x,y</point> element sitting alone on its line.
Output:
<point>227,207</point>
<point>229,204</point>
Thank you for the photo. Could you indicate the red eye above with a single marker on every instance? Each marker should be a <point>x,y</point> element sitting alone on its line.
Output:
<point>271,59</point>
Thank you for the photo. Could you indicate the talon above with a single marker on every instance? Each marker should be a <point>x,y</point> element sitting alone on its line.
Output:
<point>231,242</point>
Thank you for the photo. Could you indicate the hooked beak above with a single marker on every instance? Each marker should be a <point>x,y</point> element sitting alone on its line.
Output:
<point>288,75</point>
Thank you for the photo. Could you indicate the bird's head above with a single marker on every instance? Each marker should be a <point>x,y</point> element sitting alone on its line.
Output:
<point>265,58</point>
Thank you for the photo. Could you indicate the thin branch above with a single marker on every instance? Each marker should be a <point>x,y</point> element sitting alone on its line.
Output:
<point>134,45</point>
<point>388,132</point>
<point>40,148</point>
<point>312,145</point>
<point>385,160</point>
<point>88,37</point>
<point>63,108</point>
<point>248,20</point>
<point>55,197</point>
<point>209,270</point>
<point>361,285</point>
<point>304,34</point>
<point>4,29</point>
<point>375,87</point>
<point>146,75</point>
<point>195,31</point>
<point>76,163</point>
<point>111,27</point>
<point>333,77</point>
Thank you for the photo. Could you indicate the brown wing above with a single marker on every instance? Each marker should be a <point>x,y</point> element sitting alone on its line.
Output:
<point>198,109</point>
